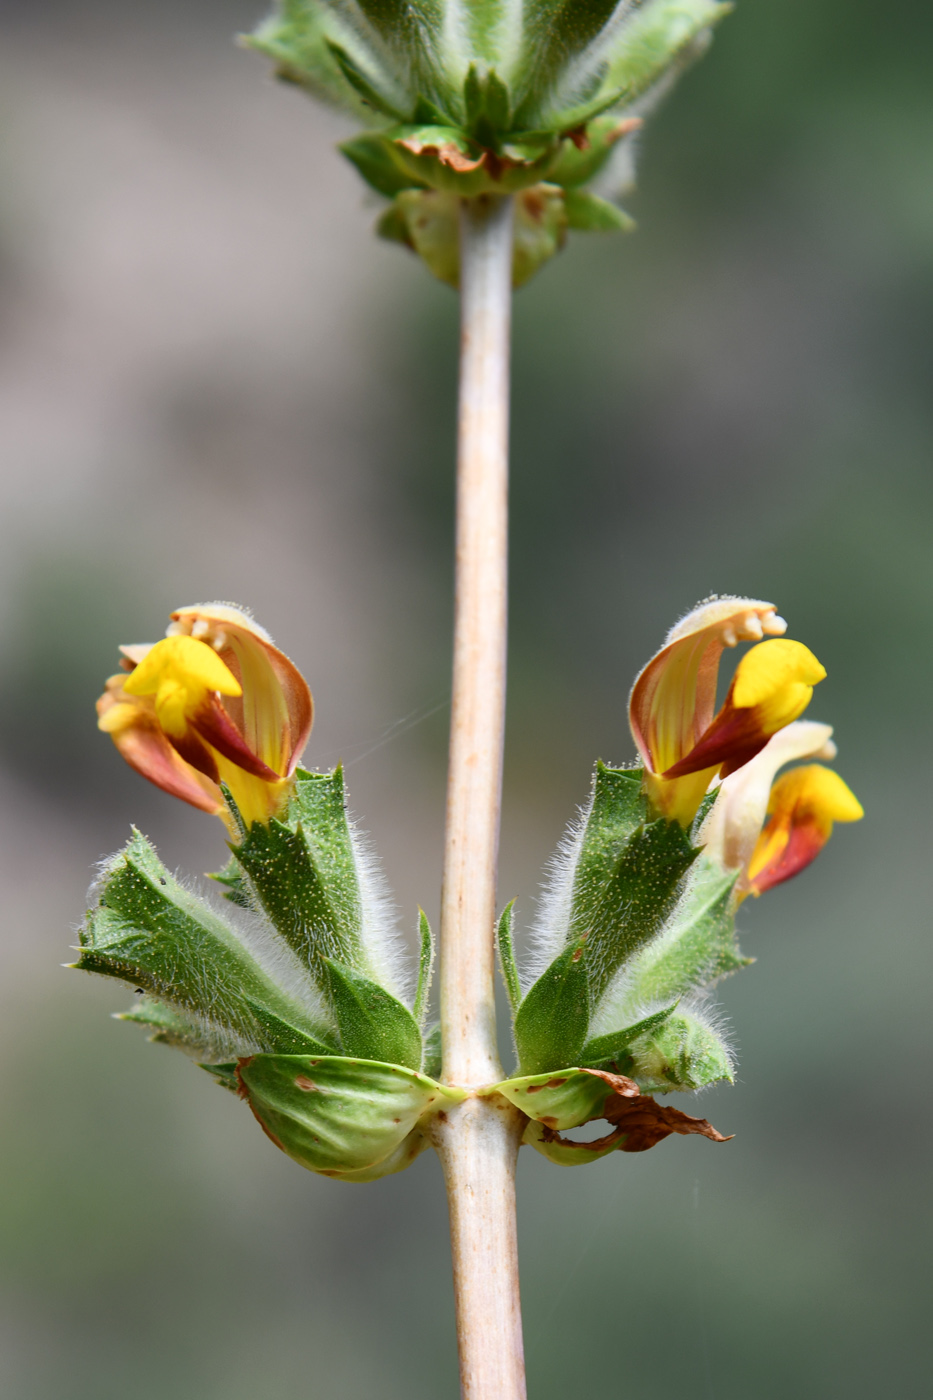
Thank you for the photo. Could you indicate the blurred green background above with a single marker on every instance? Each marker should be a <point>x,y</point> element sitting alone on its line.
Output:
<point>215,383</point>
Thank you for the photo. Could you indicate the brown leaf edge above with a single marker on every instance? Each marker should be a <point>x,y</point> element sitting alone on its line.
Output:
<point>640,1121</point>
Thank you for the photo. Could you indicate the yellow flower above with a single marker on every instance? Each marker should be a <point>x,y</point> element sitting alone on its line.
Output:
<point>771,830</point>
<point>803,806</point>
<point>214,702</point>
<point>683,741</point>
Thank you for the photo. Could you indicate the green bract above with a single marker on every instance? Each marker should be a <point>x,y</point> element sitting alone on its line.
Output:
<point>296,1001</point>
<point>638,924</point>
<point>489,97</point>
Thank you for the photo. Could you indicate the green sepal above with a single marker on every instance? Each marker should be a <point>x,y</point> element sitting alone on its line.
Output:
<point>149,931</point>
<point>612,1051</point>
<point>303,871</point>
<point>425,969</point>
<point>697,945</point>
<point>507,962</point>
<point>553,1019</point>
<point>626,876</point>
<point>341,1116</point>
<point>590,214</point>
<point>372,1024</point>
<point>373,157</point>
<point>433,1051</point>
<point>682,1054</point>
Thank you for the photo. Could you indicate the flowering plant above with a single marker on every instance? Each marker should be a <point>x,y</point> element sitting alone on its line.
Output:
<point>492,128</point>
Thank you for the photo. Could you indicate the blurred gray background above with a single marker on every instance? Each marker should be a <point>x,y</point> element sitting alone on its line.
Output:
<point>216,384</point>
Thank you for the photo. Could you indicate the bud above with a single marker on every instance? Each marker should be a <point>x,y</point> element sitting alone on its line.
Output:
<point>471,99</point>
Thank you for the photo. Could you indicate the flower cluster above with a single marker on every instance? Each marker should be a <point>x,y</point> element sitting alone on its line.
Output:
<point>525,97</point>
<point>767,830</point>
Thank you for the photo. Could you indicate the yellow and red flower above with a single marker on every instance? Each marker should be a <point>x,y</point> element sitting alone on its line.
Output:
<point>802,808</point>
<point>214,702</point>
<point>770,828</point>
<point>684,742</point>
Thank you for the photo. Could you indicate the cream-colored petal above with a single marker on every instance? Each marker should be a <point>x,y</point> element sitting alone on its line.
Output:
<point>732,828</point>
<point>674,697</point>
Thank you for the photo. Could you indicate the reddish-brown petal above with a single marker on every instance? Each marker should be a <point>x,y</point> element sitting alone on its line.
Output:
<point>734,737</point>
<point>805,840</point>
<point>212,723</point>
<point>146,749</point>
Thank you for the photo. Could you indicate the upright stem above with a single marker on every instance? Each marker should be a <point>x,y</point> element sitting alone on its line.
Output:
<point>478,1141</point>
<point>474,782</point>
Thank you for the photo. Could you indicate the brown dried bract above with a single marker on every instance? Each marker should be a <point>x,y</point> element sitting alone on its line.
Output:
<point>448,154</point>
<point>643,1121</point>
<point>640,1122</point>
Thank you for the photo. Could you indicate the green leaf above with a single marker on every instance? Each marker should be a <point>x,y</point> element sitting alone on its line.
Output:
<point>507,963</point>
<point>425,968</point>
<point>589,213</point>
<point>626,875</point>
<point>697,944</point>
<point>552,1021</point>
<point>613,1051</point>
<point>149,931</point>
<point>372,1024</point>
<point>337,1115</point>
<point>303,870</point>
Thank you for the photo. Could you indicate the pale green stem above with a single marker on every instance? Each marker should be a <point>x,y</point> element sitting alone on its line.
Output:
<point>478,1141</point>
